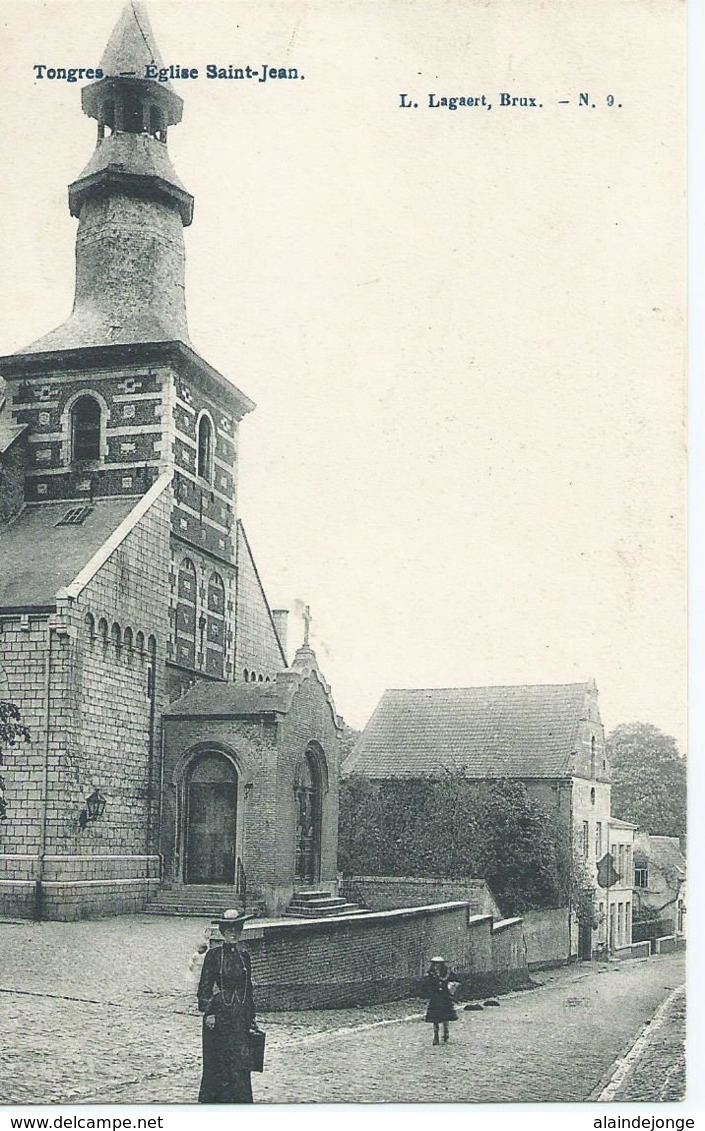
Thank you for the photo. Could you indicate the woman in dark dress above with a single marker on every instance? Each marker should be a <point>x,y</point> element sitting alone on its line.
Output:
<point>440,1003</point>
<point>225,998</point>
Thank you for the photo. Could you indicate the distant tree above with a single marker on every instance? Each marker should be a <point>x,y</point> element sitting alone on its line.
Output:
<point>649,779</point>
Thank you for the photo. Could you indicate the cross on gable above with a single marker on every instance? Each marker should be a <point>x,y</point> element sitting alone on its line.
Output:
<point>307,618</point>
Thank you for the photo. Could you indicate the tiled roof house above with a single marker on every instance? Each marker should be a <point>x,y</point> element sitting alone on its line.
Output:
<point>549,736</point>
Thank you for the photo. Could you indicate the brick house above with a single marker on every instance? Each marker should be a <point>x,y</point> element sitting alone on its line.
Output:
<point>548,736</point>
<point>126,576</point>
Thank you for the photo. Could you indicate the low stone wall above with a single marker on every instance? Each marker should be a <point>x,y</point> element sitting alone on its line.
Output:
<point>384,893</point>
<point>381,956</point>
<point>76,887</point>
<point>634,950</point>
<point>666,944</point>
<point>548,937</point>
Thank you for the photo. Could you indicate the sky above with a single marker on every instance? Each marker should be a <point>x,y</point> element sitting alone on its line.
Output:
<point>463,330</point>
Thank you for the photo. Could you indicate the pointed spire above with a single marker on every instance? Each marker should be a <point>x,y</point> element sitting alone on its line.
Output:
<point>132,45</point>
<point>130,50</point>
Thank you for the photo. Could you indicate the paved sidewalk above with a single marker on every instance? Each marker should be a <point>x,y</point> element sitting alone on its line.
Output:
<point>657,1074</point>
<point>104,1012</point>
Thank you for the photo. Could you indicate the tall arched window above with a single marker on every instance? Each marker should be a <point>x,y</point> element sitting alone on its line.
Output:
<point>308,797</point>
<point>186,615</point>
<point>85,429</point>
<point>215,626</point>
<point>204,463</point>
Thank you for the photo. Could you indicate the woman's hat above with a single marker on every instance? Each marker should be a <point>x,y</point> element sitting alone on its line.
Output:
<point>233,918</point>
<point>438,959</point>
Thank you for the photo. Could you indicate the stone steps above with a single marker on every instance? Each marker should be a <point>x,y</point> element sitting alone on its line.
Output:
<point>320,905</point>
<point>202,900</point>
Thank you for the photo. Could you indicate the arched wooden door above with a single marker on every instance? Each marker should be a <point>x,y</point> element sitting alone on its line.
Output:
<point>308,798</point>
<point>211,821</point>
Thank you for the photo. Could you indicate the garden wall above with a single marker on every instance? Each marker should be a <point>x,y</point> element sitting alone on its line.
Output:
<point>382,956</point>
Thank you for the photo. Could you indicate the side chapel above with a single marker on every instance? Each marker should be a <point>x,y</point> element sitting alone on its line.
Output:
<point>171,743</point>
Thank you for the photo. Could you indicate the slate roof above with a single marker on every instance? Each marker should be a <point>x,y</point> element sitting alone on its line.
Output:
<point>524,731</point>
<point>37,558</point>
<point>665,853</point>
<point>228,700</point>
<point>9,432</point>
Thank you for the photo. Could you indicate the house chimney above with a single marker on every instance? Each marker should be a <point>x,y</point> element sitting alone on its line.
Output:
<point>280,618</point>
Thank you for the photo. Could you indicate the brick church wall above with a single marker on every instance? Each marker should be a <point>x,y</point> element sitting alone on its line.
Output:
<point>100,719</point>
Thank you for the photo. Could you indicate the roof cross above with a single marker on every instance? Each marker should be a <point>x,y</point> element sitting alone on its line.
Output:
<point>307,618</point>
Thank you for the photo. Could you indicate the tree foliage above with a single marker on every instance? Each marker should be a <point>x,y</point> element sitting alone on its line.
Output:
<point>11,726</point>
<point>648,779</point>
<point>449,826</point>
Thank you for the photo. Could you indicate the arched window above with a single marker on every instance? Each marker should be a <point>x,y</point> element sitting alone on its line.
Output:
<point>128,638</point>
<point>89,621</point>
<point>116,636</point>
<point>215,626</point>
<point>204,463</point>
<point>85,429</point>
<point>308,797</point>
<point>103,630</point>
<point>186,615</point>
<point>139,642</point>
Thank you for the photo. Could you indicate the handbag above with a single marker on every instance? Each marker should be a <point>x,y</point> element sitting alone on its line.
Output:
<point>255,1048</point>
<point>453,988</point>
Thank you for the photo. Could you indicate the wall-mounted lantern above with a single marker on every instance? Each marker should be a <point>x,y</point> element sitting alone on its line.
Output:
<point>95,807</point>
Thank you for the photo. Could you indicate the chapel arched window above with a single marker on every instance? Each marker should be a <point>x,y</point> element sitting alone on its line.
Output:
<point>85,429</point>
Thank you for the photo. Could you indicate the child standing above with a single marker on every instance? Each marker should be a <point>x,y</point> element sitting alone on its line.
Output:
<point>440,1003</point>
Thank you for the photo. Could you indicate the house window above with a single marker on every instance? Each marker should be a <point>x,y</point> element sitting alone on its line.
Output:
<point>598,840</point>
<point>627,862</point>
<point>627,922</point>
<point>620,924</point>
<point>205,449</point>
<point>641,877</point>
<point>586,839</point>
<point>85,429</point>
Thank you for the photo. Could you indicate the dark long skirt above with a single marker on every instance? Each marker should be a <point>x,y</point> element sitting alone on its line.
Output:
<point>226,1079</point>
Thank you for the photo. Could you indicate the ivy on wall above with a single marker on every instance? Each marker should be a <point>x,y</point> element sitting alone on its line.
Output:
<point>451,827</point>
<point>11,730</point>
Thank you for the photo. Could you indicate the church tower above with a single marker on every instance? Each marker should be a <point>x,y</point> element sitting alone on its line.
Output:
<point>125,574</point>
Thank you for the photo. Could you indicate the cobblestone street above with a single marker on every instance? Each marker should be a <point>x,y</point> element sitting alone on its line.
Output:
<point>104,1012</point>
